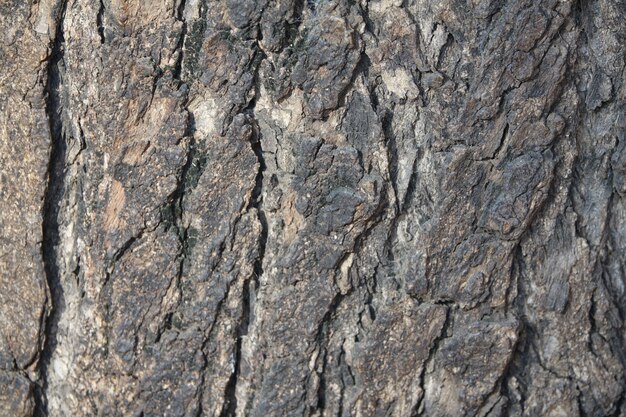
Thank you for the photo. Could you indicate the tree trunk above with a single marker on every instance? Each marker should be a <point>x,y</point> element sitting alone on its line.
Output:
<point>313,208</point>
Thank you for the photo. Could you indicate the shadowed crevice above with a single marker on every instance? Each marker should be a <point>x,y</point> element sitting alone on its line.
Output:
<point>52,201</point>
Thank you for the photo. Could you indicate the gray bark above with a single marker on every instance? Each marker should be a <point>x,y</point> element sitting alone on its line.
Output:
<point>312,208</point>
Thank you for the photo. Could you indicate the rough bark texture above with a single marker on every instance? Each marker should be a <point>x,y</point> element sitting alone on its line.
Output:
<point>312,208</point>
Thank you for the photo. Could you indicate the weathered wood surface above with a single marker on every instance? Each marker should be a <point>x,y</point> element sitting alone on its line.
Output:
<point>312,208</point>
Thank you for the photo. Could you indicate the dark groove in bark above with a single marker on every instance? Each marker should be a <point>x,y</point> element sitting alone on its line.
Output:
<point>178,67</point>
<point>386,122</point>
<point>431,356</point>
<point>230,397</point>
<point>173,211</point>
<point>321,390</point>
<point>293,24</point>
<point>252,283</point>
<point>51,207</point>
<point>100,23</point>
<point>321,340</point>
<point>411,187</point>
<point>229,407</point>
<point>256,200</point>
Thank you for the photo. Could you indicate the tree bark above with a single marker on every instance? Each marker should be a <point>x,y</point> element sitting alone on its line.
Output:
<point>312,208</point>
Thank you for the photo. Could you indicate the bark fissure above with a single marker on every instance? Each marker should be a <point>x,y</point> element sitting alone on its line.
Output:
<point>51,206</point>
<point>100,22</point>
<point>251,284</point>
<point>180,15</point>
<point>432,351</point>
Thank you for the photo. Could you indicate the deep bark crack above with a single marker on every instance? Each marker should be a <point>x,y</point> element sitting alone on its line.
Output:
<point>100,23</point>
<point>51,207</point>
<point>180,15</point>
<point>252,283</point>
